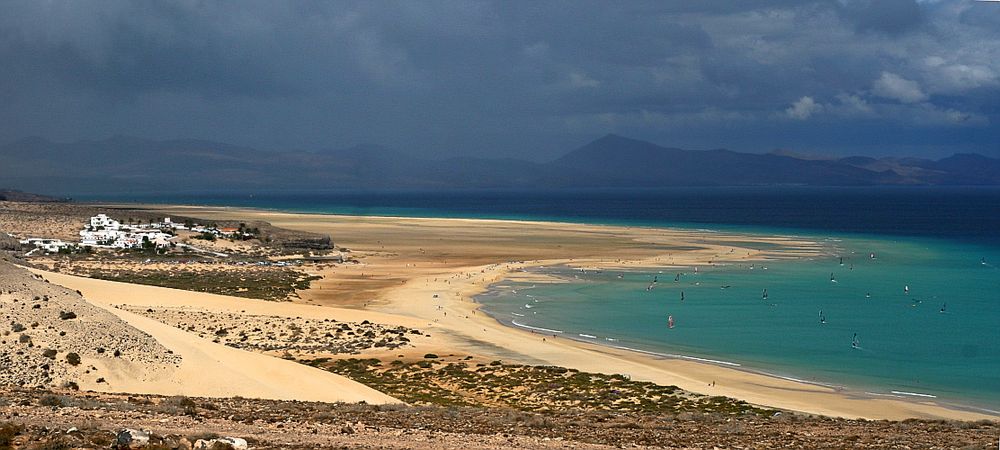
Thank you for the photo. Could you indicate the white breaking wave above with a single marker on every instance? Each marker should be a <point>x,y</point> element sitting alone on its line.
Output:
<point>673,355</point>
<point>914,394</point>
<point>534,328</point>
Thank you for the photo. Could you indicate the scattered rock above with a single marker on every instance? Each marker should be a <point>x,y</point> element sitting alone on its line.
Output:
<point>129,438</point>
<point>224,442</point>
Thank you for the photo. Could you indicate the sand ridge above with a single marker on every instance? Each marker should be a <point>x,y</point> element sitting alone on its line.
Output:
<point>208,369</point>
<point>52,337</point>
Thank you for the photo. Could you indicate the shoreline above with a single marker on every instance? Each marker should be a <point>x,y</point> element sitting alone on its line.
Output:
<point>692,227</point>
<point>589,339</point>
<point>471,280</point>
<point>752,370</point>
<point>918,400</point>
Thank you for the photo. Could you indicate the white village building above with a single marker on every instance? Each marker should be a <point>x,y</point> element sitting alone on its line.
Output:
<point>102,221</point>
<point>104,232</point>
<point>109,233</point>
<point>48,245</point>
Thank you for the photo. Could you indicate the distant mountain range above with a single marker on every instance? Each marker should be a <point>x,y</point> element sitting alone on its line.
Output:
<point>119,163</point>
<point>21,196</point>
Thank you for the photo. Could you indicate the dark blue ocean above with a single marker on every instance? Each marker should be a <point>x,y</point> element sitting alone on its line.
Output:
<point>966,213</point>
<point>925,312</point>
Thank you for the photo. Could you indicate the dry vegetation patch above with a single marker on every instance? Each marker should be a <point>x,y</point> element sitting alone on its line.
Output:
<point>264,283</point>
<point>527,388</point>
<point>282,334</point>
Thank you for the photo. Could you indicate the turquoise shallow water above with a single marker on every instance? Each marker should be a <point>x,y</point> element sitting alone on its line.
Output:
<point>906,344</point>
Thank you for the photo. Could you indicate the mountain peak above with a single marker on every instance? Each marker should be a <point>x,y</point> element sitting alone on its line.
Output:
<point>612,138</point>
<point>806,156</point>
<point>610,161</point>
<point>968,157</point>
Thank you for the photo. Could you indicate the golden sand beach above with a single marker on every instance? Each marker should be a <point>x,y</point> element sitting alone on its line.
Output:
<point>424,272</point>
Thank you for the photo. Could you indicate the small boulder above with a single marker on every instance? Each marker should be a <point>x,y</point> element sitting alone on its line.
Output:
<point>231,442</point>
<point>235,442</point>
<point>129,438</point>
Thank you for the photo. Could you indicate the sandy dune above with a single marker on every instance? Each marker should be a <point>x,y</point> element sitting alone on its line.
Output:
<point>209,369</point>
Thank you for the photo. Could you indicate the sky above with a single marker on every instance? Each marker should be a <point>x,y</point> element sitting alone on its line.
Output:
<point>521,79</point>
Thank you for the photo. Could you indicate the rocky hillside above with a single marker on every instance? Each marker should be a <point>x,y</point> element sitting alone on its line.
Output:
<point>19,196</point>
<point>51,337</point>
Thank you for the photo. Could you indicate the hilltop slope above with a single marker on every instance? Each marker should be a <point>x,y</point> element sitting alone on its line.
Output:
<point>45,325</point>
<point>613,161</point>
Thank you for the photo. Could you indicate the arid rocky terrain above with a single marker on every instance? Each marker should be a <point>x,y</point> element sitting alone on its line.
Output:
<point>52,337</point>
<point>264,267</point>
<point>280,334</point>
<point>64,221</point>
<point>32,418</point>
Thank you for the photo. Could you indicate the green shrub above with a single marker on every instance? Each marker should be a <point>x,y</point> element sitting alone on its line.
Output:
<point>207,236</point>
<point>51,400</point>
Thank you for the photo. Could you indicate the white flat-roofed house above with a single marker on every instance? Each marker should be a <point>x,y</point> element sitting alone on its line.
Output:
<point>128,241</point>
<point>158,238</point>
<point>49,245</point>
<point>103,221</point>
<point>98,237</point>
<point>162,240</point>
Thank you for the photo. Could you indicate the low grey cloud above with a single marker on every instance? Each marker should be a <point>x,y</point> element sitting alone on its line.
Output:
<point>519,79</point>
<point>803,108</point>
<point>895,87</point>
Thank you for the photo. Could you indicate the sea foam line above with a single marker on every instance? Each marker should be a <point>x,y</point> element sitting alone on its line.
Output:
<point>881,394</point>
<point>799,380</point>
<point>914,394</point>
<point>673,355</point>
<point>534,328</point>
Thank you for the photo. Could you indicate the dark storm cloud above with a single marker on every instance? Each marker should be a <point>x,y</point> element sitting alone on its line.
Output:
<point>887,16</point>
<point>526,79</point>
